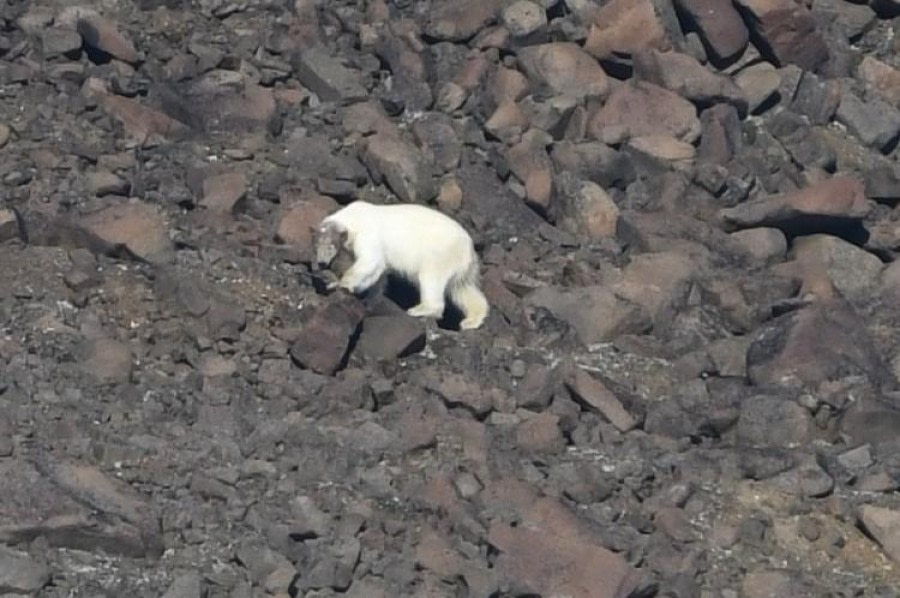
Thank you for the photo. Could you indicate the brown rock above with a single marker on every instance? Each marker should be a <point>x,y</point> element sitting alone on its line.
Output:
<point>507,123</point>
<point>143,124</point>
<point>640,108</point>
<point>390,337</point>
<point>108,360</point>
<point>459,20</point>
<point>764,244</point>
<point>540,434</point>
<point>787,32</point>
<point>101,33</point>
<point>507,85</point>
<point>105,183</point>
<point>656,281</point>
<point>759,82</point>
<point>597,396</point>
<point>529,161</point>
<point>852,270</point>
<point>625,27</point>
<point>586,209</point>
<point>402,166</point>
<point>458,390</point>
<point>822,342</point>
<point>223,192</point>
<point>325,338</point>
<point>837,197</point>
<point>884,525</point>
<point>721,134</point>
<point>596,314</point>
<point>551,554</point>
<point>5,134</point>
<point>523,18</point>
<point>9,225</point>
<point>662,150</point>
<point>684,75</point>
<point>300,217</point>
<point>883,78</point>
<point>535,389</point>
<point>565,69</point>
<point>327,76</point>
<point>139,226</point>
<point>719,25</point>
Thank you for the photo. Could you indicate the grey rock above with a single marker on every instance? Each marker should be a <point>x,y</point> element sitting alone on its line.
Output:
<point>20,574</point>
<point>875,122</point>
<point>327,77</point>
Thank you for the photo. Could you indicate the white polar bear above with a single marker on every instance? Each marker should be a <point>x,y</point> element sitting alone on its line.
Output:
<point>418,243</point>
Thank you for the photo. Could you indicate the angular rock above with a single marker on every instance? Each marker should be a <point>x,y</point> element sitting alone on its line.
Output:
<point>593,161</point>
<point>660,152</point>
<point>685,76</point>
<point>565,69</point>
<point>838,197</point>
<point>458,390</point>
<point>719,25</point>
<point>104,183</point>
<point>300,217</point>
<point>882,77</point>
<point>550,553</point>
<point>107,360</point>
<point>139,226</point>
<point>853,271</point>
<point>187,585</point>
<point>325,338</point>
<point>721,134</point>
<point>584,208</point>
<point>390,337</point>
<point>401,166</point>
<point>529,161</point>
<point>656,281</point>
<point>326,76</point>
<point>540,434</point>
<point>222,193</point>
<point>764,244</point>
<point>787,32</point>
<point>60,41</point>
<point>874,122</point>
<point>103,34</point>
<point>773,422</point>
<point>822,342</point>
<point>410,88</point>
<point>20,574</point>
<point>459,20</point>
<point>639,108</point>
<point>884,525</point>
<point>144,125</point>
<point>815,97</point>
<point>760,83</point>
<point>596,314</point>
<point>625,27</point>
<point>9,225</point>
<point>596,395</point>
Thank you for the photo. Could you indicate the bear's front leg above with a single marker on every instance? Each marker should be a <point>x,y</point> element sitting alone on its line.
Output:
<point>362,274</point>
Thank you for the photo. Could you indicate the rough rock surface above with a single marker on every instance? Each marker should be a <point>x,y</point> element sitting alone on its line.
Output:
<point>687,217</point>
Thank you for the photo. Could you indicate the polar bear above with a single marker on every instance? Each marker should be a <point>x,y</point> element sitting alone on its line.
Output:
<point>418,243</point>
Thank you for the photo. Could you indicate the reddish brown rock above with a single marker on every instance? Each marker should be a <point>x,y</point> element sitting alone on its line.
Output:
<point>596,314</point>
<point>550,553</point>
<point>460,20</point>
<point>390,337</point>
<point>300,217</point>
<point>823,342</point>
<point>655,281</point>
<point>883,78</point>
<point>787,32</point>
<point>625,27</point>
<point>719,25</point>
<point>530,163</point>
<point>223,192</point>
<point>597,396</point>
<point>101,33</point>
<point>139,226</point>
<point>640,108</point>
<point>565,69</point>
<point>764,244</point>
<point>540,434</point>
<point>143,124</point>
<point>507,85</point>
<point>684,75</point>
<point>402,166</point>
<point>507,123</point>
<point>837,197</point>
<point>586,209</point>
<point>325,338</point>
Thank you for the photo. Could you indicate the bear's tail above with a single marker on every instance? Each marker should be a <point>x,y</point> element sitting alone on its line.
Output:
<point>468,297</point>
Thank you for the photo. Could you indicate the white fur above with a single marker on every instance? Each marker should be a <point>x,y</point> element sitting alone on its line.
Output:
<point>418,243</point>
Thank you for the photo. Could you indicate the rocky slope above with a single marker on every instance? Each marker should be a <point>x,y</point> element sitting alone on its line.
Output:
<point>685,210</point>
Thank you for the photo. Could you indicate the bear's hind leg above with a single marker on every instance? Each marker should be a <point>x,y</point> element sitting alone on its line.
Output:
<point>431,296</point>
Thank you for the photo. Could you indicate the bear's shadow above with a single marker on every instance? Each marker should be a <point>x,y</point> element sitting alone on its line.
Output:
<point>406,295</point>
